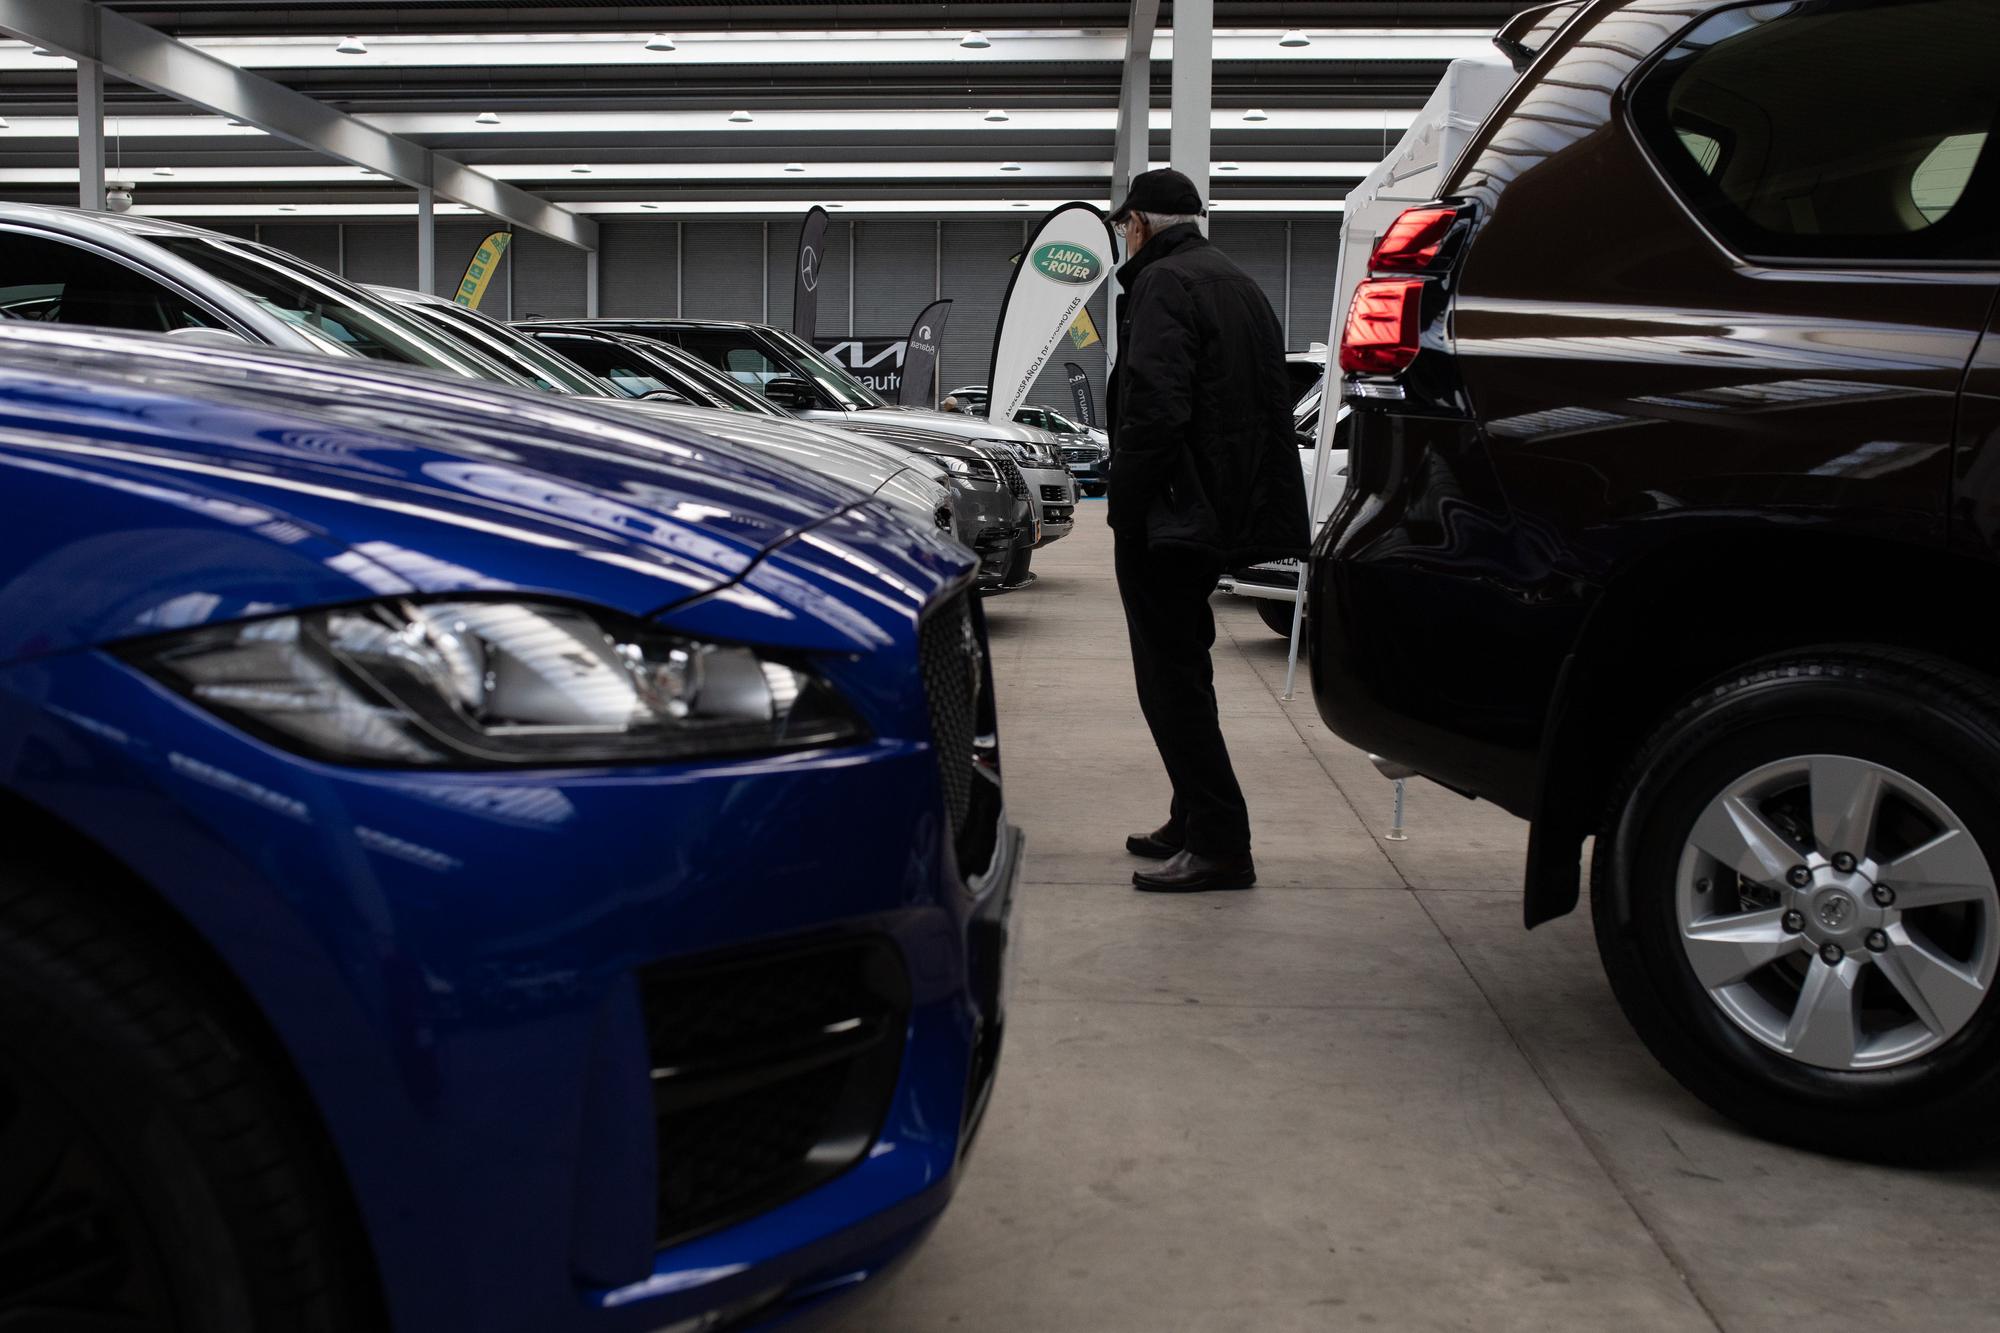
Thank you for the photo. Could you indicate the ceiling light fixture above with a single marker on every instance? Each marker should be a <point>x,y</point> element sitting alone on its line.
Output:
<point>163,171</point>
<point>3,122</point>
<point>487,118</point>
<point>660,42</point>
<point>795,166</point>
<point>996,115</point>
<point>288,208</point>
<point>974,41</point>
<point>236,124</point>
<point>352,46</point>
<point>649,206</point>
<point>40,51</point>
<point>740,118</point>
<point>1226,166</point>
<point>1010,166</point>
<point>579,170</point>
<point>1255,115</point>
<point>370,171</point>
<point>1296,37</point>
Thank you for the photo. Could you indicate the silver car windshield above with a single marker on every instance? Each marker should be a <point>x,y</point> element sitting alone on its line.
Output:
<point>527,357</point>
<point>336,315</point>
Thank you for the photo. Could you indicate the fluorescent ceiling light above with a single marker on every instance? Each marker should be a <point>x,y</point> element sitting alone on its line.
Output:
<point>1281,207</point>
<point>995,116</point>
<point>1255,115</point>
<point>529,173</point>
<point>351,46</point>
<point>487,118</point>
<point>1295,38</point>
<point>808,47</point>
<point>974,41</point>
<point>163,171</point>
<point>908,122</point>
<point>1010,166</point>
<point>579,170</point>
<point>659,41</point>
<point>648,125</point>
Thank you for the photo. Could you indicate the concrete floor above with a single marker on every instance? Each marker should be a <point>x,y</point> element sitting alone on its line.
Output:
<point>1361,1095</point>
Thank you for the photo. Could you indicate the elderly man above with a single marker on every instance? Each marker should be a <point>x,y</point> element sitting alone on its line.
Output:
<point>1204,478</point>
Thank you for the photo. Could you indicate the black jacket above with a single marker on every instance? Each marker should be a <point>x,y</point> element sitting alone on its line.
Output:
<point>1202,450</point>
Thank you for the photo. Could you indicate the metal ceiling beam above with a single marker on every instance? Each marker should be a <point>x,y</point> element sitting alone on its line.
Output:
<point>87,31</point>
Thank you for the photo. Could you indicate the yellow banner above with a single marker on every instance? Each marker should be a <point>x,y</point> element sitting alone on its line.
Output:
<point>479,272</point>
<point>1084,332</point>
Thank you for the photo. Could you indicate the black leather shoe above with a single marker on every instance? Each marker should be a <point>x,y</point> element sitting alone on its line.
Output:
<point>1186,872</point>
<point>1158,845</point>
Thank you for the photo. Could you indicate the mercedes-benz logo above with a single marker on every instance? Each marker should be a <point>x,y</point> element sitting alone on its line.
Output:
<point>809,268</point>
<point>1835,910</point>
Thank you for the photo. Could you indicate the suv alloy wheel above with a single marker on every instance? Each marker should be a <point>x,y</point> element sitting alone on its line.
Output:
<point>1798,908</point>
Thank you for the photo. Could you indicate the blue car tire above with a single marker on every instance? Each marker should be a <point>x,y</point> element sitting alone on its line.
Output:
<point>154,1165</point>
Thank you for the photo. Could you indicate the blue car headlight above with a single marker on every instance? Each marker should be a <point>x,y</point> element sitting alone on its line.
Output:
<point>478,684</point>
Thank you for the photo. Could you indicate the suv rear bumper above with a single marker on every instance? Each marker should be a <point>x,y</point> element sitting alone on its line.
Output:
<point>1422,649</point>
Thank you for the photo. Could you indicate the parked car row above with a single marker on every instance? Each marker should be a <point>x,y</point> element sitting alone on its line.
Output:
<point>487,849</point>
<point>1670,517</point>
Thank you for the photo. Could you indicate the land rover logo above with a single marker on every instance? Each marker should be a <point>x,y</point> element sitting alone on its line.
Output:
<point>809,268</point>
<point>1068,263</point>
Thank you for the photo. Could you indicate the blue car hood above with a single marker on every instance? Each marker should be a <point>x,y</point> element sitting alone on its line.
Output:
<point>154,484</point>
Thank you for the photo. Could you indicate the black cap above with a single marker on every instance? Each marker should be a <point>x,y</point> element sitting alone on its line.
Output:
<point>1162,191</point>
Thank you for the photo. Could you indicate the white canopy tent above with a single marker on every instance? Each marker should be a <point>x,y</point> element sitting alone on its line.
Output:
<point>1411,174</point>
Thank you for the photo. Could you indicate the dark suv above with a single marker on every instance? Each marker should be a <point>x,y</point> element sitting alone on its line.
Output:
<point>1673,520</point>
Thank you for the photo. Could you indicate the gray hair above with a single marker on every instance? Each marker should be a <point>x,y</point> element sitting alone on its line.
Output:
<point>1159,222</point>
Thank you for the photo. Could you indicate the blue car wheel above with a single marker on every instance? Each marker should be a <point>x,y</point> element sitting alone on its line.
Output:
<point>154,1172</point>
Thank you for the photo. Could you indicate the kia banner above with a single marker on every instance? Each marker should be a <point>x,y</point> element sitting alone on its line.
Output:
<point>1067,259</point>
<point>805,288</point>
<point>876,361</point>
<point>1079,388</point>
<point>919,386</point>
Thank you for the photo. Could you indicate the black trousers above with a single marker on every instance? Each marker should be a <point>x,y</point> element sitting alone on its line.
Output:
<point>1167,614</point>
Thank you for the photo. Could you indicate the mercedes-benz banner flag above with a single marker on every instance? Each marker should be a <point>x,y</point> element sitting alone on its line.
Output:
<point>1079,388</point>
<point>1067,260</point>
<point>919,386</point>
<point>805,290</point>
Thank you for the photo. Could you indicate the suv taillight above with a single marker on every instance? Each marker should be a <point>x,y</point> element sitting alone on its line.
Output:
<point>1382,326</point>
<point>1412,241</point>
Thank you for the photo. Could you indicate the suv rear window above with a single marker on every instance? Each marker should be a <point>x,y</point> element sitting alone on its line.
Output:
<point>1834,129</point>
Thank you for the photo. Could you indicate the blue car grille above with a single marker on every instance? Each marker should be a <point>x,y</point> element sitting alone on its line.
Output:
<point>771,1074</point>
<point>958,691</point>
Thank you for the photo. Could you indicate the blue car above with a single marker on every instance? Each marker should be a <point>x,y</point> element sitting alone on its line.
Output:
<point>473,862</point>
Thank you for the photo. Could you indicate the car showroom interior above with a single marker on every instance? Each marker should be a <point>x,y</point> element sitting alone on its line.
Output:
<point>999,666</point>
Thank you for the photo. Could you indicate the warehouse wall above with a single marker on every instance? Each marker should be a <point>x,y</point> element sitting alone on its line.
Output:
<point>741,268</point>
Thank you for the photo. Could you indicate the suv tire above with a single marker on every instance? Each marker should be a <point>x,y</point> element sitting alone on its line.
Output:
<point>152,1166</point>
<point>1787,739</point>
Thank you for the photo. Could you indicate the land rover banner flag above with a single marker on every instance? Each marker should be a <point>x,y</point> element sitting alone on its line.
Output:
<point>1067,259</point>
<point>472,287</point>
<point>805,288</point>
<point>1079,388</point>
<point>919,386</point>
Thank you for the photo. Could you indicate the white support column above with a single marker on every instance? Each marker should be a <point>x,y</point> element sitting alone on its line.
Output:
<point>765,266</point>
<point>1132,149</point>
<point>680,284</point>
<point>850,277</point>
<point>340,248</point>
<point>937,261</point>
<point>1288,283</point>
<point>90,135</point>
<point>427,240</point>
<point>1194,89</point>
<point>593,284</point>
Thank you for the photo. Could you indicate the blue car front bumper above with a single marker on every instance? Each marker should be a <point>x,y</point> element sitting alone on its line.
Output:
<point>467,971</point>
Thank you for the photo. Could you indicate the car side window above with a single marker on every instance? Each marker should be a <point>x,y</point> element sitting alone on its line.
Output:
<point>1834,129</point>
<point>607,361</point>
<point>54,282</point>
